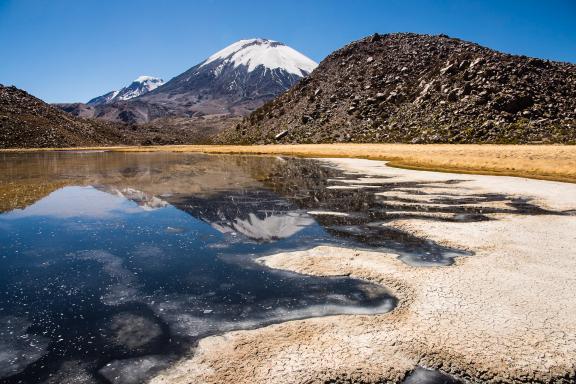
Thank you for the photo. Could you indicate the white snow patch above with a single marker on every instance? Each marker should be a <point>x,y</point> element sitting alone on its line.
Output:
<point>144,78</point>
<point>140,86</point>
<point>268,53</point>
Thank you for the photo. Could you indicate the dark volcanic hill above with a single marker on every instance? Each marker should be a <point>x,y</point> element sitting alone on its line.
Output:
<point>233,81</point>
<point>26,121</point>
<point>414,88</point>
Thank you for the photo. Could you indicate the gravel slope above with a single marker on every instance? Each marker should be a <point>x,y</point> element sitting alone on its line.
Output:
<point>412,88</point>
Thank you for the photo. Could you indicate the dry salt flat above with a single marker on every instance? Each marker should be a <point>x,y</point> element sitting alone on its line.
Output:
<point>506,314</point>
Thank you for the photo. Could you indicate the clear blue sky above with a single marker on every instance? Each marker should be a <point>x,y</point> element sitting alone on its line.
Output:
<point>73,50</point>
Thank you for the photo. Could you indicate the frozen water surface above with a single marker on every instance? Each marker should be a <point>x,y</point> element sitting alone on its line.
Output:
<point>114,265</point>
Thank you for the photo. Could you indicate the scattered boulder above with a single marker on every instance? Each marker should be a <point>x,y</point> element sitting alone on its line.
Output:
<point>513,103</point>
<point>280,135</point>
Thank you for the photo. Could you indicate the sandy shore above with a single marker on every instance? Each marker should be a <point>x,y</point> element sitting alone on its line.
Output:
<point>506,314</point>
<point>550,162</point>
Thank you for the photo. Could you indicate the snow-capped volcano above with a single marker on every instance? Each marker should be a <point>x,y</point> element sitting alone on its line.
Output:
<point>140,86</point>
<point>267,53</point>
<point>234,80</point>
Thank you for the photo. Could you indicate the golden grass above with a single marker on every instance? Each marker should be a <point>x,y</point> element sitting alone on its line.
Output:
<point>550,162</point>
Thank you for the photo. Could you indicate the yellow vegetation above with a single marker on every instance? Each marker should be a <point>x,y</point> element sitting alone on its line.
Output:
<point>551,162</point>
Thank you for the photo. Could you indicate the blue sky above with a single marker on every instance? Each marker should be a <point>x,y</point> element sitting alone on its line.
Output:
<point>71,50</point>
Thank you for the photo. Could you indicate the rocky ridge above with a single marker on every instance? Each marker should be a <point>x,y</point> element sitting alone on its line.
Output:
<point>412,88</point>
<point>139,87</point>
<point>28,122</point>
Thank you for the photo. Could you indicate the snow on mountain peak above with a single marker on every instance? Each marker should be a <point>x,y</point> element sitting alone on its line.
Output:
<point>143,79</point>
<point>268,53</point>
<point>140,86</point>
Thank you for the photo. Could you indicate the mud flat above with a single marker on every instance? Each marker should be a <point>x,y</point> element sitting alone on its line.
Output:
<point>506,314</point>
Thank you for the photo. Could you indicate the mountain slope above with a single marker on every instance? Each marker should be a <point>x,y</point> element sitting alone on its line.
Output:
<point>104,99</point>
<point>233,81</point>
<point>26,121</point>
<point>140,86</point>
<point>421,89</point>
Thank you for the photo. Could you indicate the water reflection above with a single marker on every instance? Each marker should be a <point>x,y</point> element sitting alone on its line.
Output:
<point>255,214</point>
<point>116,264</point>
<point>74,201</point>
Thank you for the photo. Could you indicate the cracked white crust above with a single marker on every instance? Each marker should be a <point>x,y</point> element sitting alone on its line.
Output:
<point>507,314</point>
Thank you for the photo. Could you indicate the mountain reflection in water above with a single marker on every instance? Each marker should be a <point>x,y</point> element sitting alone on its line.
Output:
<point>115,264</point>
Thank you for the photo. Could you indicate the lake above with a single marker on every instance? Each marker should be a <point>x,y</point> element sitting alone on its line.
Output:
<point>114,265</point>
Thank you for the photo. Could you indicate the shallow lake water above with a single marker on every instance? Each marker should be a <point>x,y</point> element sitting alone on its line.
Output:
<point>115,264</point>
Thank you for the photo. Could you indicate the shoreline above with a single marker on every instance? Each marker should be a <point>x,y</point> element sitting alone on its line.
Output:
<point>545,162</point>
<point>487,317</point>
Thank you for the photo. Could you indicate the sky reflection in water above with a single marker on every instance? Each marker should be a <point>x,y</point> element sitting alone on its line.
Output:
<point>102,281</point>
<point>115,264</point>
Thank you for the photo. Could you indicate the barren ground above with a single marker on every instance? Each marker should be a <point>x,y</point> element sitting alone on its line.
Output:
<point>505,314</point>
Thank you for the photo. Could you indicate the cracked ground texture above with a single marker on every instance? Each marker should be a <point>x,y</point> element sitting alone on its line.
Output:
<point>506,314</point>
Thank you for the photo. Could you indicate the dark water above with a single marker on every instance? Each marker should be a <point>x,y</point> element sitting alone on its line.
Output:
<point>426,376</point>
<point>114,265</point>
